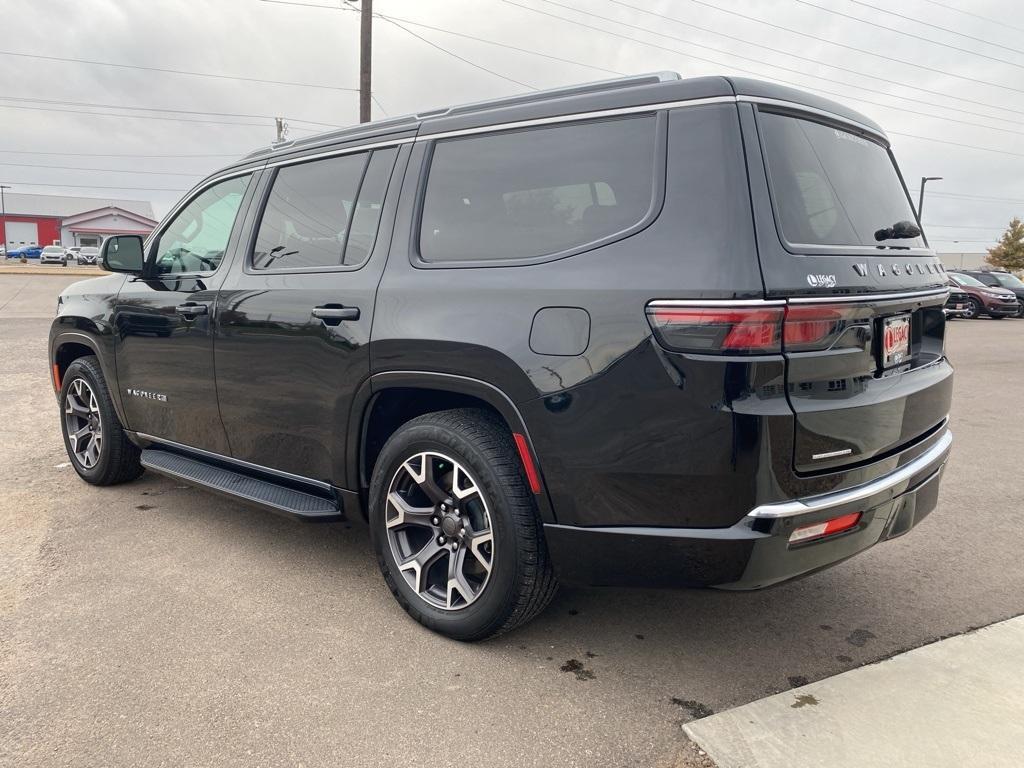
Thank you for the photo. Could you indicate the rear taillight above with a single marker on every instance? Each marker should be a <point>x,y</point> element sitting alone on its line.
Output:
<point>812,326</point>
<point>735,330</point>
<point>831,527</point>
<point>756,329</point>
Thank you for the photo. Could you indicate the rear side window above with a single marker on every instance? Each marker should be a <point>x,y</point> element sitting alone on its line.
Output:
<point>832,187</point>
<point>323,213</point>
<point>537,192</point>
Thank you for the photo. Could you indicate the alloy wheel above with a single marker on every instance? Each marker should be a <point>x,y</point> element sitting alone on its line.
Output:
<point>972,310</point>
<point>439,529</point>
<point>83,424</point>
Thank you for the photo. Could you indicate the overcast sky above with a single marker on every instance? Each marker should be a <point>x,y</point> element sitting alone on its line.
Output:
<point>936,94</point>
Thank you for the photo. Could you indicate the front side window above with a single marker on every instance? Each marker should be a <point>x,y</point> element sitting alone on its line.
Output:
<point>537,192</point>
<point>196,239</point>
<point>323,213</point>
<point>830,186</point>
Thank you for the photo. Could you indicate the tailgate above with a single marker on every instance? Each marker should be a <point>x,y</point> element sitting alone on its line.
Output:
<point>881,383</point>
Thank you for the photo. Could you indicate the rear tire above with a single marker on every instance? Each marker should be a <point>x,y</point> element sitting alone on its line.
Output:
<point>465,456</point>
<point>95,441</point>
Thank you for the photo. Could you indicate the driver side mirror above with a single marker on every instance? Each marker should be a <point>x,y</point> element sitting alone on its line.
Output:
<point>123,253</point>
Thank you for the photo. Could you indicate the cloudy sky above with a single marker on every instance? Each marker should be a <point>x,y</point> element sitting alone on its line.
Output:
<point>944,77</point>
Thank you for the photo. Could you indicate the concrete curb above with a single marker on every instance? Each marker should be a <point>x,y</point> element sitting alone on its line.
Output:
<point>952,703</point>
<point>35,269</point>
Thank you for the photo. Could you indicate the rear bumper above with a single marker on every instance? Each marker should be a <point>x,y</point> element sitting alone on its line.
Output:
<point>755,552</point>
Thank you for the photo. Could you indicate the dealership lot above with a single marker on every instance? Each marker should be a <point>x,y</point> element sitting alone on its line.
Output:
<point>156,624</point>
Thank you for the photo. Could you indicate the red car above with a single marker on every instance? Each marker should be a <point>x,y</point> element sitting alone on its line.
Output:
<point>997,303</point>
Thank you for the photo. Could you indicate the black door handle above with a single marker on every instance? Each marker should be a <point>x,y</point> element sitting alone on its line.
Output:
<point>191,310</point>
<point>334,314</point>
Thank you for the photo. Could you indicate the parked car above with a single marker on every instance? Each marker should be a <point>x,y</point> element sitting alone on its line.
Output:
<point>88,255</point>
<point>998,279</point>
<point>995,302</point>
<point>72,252</point>
<point>28,251</point>
<point>649,331</point>
<point>54,254</point>
<point>958,301</point>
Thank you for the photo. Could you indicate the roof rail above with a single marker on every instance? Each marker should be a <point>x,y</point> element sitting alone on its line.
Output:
<point>597,86</point>
<point>338,133</point>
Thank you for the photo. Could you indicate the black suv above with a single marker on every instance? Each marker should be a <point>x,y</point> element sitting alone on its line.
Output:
<point>647,331</point>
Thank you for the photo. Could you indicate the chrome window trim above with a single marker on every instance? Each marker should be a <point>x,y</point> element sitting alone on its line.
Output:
<point>237,462</point>
<point>577,117</point>
<point>798,107</point>
<point>340,151</point>
<point>818,503</point>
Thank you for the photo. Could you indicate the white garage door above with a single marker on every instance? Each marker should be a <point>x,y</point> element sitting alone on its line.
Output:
<point>21,233</point>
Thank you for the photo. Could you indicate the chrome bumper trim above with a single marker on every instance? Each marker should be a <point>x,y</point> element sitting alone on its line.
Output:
<point>817,503</point>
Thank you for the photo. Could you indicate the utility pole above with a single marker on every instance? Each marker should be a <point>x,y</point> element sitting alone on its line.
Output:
<point>920,199</point>
<point>365,57</point>
<point>3,216</point>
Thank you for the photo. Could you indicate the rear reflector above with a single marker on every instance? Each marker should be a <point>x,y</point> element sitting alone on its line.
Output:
<point>532,476</point>
<point>827,528</point>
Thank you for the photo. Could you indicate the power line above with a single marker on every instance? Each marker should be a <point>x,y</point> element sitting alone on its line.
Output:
<point>858,73</point>
<point>498,44</point>
<point>911,35</point>
<point>135,117</point>
<point>982,198</point>
<point>457,56</point>
<point>101,154</point>
<point>1000,22</point>
<point>99,170</point>
<point>957,144</point>
<point>999,227</point>
<point>159,109</point>
<point>176,71</point>
<point>922,23</point>
<point>863,52</point>
<point>719,63</point>
<point>93,186</point>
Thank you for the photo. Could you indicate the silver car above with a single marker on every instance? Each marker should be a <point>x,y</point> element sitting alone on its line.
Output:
<point>54,254</point>
<point>88,255</point>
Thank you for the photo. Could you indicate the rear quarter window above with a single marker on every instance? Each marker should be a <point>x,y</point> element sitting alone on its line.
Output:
<point>540,192</point>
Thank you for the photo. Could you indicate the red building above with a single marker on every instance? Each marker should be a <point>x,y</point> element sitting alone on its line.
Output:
<point>60,220</point>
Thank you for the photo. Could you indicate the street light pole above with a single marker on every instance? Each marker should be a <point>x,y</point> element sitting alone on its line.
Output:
<point>3,216</point>
<point>920,199</point>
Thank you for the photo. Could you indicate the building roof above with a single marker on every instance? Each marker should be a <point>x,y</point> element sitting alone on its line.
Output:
<point>60,206</point>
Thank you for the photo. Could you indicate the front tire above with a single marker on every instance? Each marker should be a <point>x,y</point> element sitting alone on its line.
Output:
<point>455,527</point>
<point>973,311</point>
<point>96,443</point>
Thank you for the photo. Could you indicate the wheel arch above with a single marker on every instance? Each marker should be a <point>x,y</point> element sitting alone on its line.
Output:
<point>66,346</point>
<point>389,399</point>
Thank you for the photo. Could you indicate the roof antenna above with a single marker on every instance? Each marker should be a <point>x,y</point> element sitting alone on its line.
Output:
<point>282,133</point>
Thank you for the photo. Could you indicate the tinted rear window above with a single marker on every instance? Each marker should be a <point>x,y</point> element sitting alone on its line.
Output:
<point>832,187</point>
<point>537,192</point>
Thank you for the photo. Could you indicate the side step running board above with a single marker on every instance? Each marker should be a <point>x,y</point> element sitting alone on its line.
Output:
<point>269,495</point>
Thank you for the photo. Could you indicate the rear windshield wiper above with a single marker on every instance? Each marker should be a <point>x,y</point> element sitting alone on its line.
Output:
<point>901,230</point>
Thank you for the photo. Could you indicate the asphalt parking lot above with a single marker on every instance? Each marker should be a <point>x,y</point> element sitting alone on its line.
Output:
<point>154,624</point>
